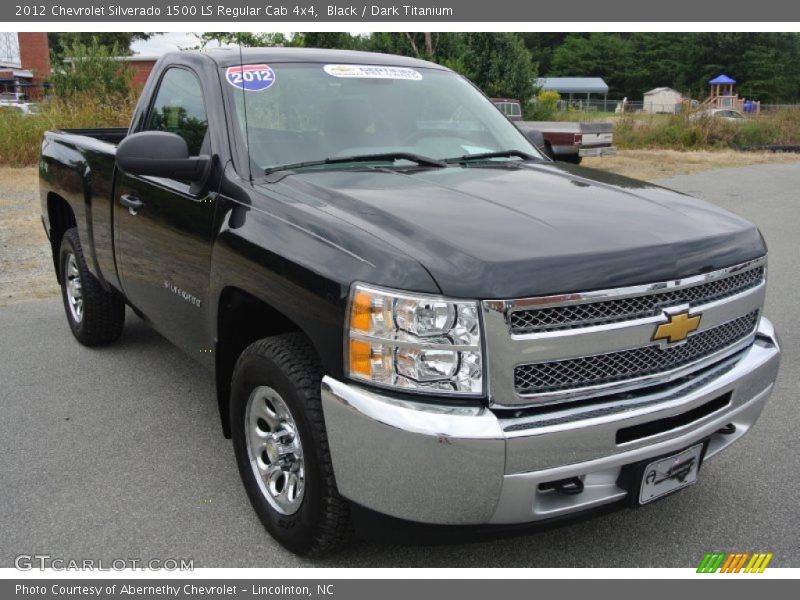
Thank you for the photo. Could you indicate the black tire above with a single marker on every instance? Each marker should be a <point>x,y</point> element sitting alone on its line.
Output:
<point>103,312</point>
<point>288,364</point>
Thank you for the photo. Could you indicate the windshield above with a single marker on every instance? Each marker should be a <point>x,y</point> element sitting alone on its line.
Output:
<point>300,113</point>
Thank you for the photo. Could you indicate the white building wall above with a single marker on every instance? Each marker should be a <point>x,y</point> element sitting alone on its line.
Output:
<point>664,101</point>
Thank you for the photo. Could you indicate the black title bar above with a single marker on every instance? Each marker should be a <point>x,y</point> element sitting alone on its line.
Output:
<point>482,11</point>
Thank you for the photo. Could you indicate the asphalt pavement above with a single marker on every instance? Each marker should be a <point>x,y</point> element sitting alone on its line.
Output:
<point>117,452</point>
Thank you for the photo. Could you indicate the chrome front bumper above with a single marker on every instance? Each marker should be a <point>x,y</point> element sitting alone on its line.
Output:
<point>439,464</point>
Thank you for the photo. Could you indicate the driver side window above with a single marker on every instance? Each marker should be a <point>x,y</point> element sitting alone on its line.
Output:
<point>179,108</point>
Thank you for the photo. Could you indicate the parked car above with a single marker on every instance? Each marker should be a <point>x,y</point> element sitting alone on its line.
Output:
<point>509,107</point>
<point>409,311</point>
<point>566,141</point>
<point>26,108</point>
<point>724,114</point>
<point>13,97</point>
<point>570,141</point>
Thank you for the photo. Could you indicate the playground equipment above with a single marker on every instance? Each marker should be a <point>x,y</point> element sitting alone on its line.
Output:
<point>723,96</point>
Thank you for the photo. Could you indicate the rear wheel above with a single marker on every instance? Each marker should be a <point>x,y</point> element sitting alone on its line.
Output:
<point>95,316</point>
<point>281,445</point>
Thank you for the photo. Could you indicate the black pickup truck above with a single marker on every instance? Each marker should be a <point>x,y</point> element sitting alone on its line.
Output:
<point>409,310</point>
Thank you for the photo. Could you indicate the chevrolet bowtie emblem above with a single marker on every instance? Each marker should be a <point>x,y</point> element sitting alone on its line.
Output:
<point>677,328</point>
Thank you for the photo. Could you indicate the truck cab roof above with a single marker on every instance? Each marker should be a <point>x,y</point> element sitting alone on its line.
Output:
<point>228,57</point>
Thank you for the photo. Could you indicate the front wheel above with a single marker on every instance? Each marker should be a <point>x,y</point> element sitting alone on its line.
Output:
<point>281,445</point>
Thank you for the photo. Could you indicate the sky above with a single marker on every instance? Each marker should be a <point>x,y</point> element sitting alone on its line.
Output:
<point>165,42</point>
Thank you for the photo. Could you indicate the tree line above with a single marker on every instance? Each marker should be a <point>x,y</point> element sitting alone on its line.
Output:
<point>766,66</point>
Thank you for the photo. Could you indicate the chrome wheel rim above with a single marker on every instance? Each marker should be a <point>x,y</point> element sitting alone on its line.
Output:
<point>74,289</point>
<point>275,450</point>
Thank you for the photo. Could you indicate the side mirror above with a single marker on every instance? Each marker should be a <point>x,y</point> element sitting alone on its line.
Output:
<point>161,154</point>
<point>536,138</point>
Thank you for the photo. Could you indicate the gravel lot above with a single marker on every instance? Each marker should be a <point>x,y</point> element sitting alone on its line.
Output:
<point>117,453</point>
<point>26,269</point>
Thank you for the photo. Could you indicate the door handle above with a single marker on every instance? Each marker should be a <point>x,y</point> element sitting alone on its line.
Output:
<point>132,203</point>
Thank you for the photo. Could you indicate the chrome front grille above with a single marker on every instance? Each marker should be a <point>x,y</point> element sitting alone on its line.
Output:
<point>579,346</point>
<point>630,364</point>
<point>570,316</point>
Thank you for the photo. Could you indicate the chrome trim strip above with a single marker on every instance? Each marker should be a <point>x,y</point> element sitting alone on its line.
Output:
<point>620,293</point>
<point>422,343</point>
<point>505,351</point>
<point>640,383</point>
<point>634,333</point>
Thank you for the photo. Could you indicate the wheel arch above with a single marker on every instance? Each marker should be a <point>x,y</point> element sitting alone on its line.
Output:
<point>61,218</point>
<point>242,318</point>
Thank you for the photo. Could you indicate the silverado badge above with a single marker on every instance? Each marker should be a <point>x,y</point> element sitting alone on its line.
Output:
<point>677,328</point>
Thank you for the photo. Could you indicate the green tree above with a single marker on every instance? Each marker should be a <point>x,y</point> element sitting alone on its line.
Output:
<point>606,55</point>
<point>542,45</point>
<point>498,63</point>
<point>263,39</point>
<point>110,39</point>
<point>91,69</point>
<point>332,39</point>
<point>661,59</point>
<point>501,65</point>
<point>434,46</point>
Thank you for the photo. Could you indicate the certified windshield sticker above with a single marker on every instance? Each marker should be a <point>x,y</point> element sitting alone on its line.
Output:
<point>251,78</point>
<point>372,72</point>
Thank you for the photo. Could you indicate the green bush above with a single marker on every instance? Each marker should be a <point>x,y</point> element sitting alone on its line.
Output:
<point>679,132</point>
<point>544,109</point>
<point>91,69</point>
<point>21,134</point>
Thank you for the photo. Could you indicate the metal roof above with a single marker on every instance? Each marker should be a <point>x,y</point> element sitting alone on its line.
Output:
<point>661,89</point>
<point>723,79</point>
<point>17,72</point>
<point>573,85</point>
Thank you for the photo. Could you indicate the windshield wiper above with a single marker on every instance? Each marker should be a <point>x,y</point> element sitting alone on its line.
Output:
<point>489,155</point>
<point>383,157</point>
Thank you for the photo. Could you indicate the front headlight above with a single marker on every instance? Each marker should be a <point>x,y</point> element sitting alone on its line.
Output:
<point>414,341</point>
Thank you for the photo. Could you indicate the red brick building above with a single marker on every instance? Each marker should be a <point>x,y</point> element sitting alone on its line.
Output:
<point>33,69</point>
<point>34,53</point>
<point>141,67</point>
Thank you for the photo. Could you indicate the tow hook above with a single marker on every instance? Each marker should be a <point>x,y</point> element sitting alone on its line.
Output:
<point>569,487</point>
<point>728,429</point>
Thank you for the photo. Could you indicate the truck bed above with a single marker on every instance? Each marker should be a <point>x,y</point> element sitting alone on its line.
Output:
<point>111,135</point>
<point>567,126</point>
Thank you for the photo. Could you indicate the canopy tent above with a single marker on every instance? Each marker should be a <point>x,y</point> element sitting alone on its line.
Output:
<point>569,86</point>
<point>573,85</point>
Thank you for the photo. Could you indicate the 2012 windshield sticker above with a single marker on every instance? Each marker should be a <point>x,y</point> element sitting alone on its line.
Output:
<point>372,72</point>
<point>250,78</point>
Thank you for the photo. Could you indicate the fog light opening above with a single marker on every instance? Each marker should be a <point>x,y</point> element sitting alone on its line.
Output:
<point>569,487</point>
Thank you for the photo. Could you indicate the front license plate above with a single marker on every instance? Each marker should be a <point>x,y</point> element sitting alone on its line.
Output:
<point>670,474</point>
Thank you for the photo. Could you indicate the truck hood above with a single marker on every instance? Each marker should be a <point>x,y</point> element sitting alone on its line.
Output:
<point>533,229</point>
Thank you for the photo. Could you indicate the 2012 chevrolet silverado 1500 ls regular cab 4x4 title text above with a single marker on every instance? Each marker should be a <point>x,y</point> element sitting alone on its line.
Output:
<point>408,309</point>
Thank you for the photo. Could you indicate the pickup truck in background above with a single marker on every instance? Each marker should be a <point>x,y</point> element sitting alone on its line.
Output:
<point>409,311</point>
<point>566,141</point>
